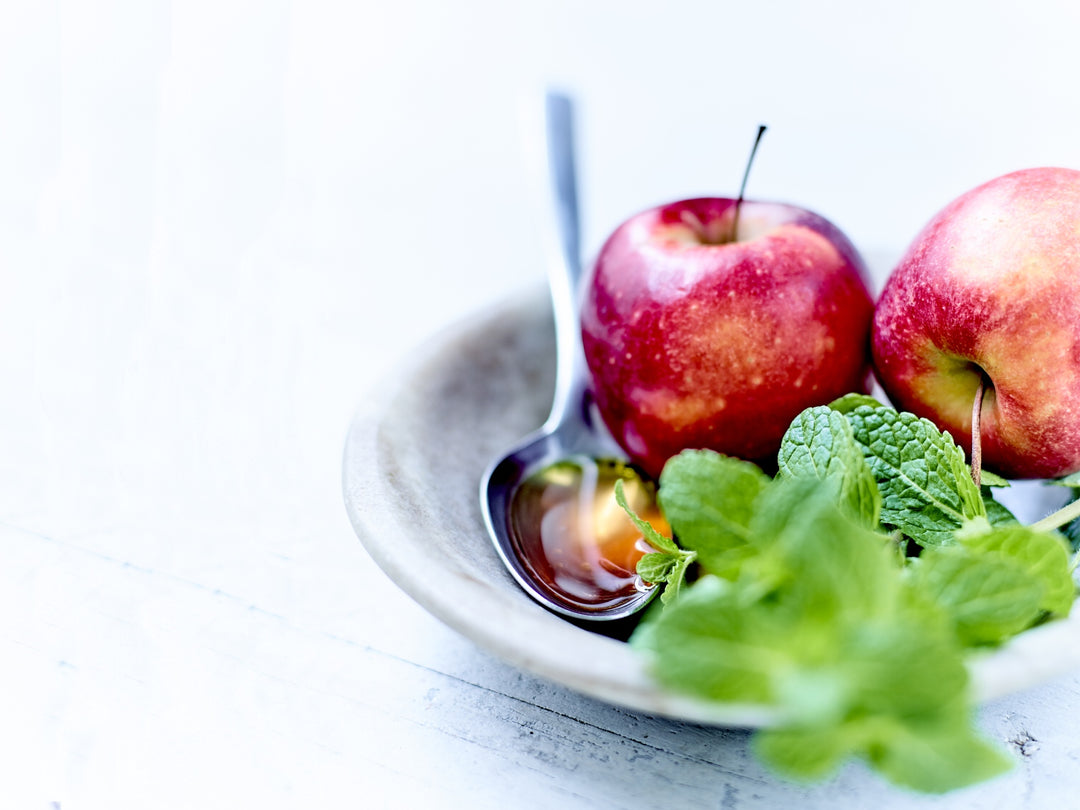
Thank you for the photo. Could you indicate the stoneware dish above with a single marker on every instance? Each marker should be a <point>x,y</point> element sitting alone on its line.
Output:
<point>413,462</point>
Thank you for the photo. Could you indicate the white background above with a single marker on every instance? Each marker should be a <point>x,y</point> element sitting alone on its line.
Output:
<point>221,224</point>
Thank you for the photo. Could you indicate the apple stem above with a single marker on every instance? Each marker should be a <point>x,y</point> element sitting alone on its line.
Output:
<point>976,432</point>
<point>742,188</point>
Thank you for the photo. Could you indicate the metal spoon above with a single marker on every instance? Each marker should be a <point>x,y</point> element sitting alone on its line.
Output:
<point>573,430</point>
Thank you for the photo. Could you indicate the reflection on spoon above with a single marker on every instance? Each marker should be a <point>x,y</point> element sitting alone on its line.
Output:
<point>575,540</point>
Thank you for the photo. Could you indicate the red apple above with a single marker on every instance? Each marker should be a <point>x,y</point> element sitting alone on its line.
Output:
<point>991,288</point>
<point>698,340</point>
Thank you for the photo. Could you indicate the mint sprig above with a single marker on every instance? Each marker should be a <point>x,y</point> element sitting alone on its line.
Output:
<point>819,624</point>
<point>802,602</point>
<point>668,564</point>
<point>927,491</point>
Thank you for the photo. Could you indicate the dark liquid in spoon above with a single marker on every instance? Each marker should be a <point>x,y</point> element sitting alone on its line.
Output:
<point>578,542</point>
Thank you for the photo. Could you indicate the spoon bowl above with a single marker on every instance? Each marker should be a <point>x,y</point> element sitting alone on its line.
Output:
<point>573,433</point>
<point>574,457</point>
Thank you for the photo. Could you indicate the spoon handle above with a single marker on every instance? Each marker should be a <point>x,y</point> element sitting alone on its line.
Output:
<point>564,267</point>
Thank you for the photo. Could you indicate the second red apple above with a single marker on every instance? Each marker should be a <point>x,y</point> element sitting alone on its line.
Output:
<point>696,339</point>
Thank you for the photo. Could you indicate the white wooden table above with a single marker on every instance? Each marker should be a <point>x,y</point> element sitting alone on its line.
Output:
<point>222,224</point>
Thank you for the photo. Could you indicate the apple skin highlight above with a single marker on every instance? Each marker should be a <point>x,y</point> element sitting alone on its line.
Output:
<point>695,341</point>
<point>991,286</point>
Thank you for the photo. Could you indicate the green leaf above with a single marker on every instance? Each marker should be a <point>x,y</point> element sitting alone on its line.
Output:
<point>906,660</point>
<point>908,714</point>
<point>1043,555</point>
<point>650,534</point>
<point>668,569</point>
<point>805,754</point>
<point>988,598</point>
<point>677,578</point>
<point>989,479</point>
<point>708,644</point>
<point>996,581</point>
<point>820,444</point>
<point>668,565</point>
<point>812,613</point>
<point>925,486</point>
<point>708,499</point>
<point>830,564</point>
<point>850,402</point>
<point>1072,481</point>
<point>733,640</point>
<point>936,757</point>
<point>656,566</point>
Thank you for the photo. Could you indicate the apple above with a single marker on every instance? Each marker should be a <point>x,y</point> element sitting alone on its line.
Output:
<point>990,290</point>
<point>695,339</point>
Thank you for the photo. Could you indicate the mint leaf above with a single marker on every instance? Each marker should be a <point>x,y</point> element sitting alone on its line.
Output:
<point>651,535</point>
<point>989,479</point>
<point>809,574</point>
<point>708,500</point>
<point>996,581</point>
<point>706,643</point>
<point>1072,481</point>
<point>1043,555</point>
<point>989,599</point>
<point>667,569</point>
<point>828,564</point>
<point>908,713</point>
<point>669,564</point>
<point>820,443</point>
<point>936,757</point>
<point>806,753</point>
<point>906,660</point>
<point>850,402</point>
<point>816,621</point>
<point>925,486</point>
<point>933,753</point>
<point>656,566</point>
<point>806,607</point>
